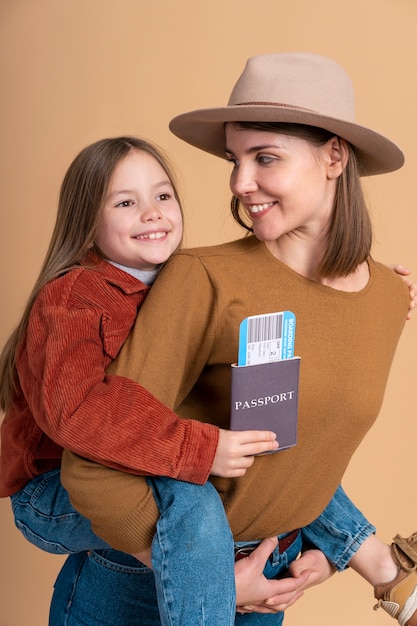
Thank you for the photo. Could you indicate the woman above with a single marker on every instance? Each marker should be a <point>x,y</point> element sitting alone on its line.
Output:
<point>297,153</point>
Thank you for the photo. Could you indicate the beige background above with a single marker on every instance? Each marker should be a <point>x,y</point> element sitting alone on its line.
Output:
<point>74,71</point>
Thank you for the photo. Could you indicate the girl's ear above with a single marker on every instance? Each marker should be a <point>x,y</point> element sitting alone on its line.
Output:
<point>337,156</point>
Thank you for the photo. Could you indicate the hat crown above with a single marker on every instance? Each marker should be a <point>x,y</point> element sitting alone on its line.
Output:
<point>296,80</point>
<point>292,88</point>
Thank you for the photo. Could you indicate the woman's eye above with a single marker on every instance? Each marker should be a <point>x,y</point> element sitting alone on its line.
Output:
<point>263,158</point>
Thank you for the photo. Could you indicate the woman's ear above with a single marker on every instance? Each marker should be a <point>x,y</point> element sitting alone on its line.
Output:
<point>337,156</point>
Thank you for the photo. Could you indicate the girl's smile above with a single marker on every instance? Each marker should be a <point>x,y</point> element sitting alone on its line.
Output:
<point>141,222</point>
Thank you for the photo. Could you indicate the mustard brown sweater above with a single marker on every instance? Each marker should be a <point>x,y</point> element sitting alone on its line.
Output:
<point>181,349</point>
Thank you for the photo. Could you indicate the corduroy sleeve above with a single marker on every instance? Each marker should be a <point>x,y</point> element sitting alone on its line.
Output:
<point>107,418</point>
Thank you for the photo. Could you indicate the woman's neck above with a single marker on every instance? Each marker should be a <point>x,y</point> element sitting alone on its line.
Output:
<point>355,281</point>
<point>303,255</point>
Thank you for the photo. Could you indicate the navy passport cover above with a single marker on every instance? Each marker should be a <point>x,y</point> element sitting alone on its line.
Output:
<point>265,397</point>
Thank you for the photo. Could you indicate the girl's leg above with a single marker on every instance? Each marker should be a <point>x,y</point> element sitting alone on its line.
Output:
<point>192,555</point>
<point>104,588</point>
<point>339,531</point>
<point>98,587</point>
<point>373,561</point>
<point>346,537</point>
<point>44,514</point>
<point>192,551</point>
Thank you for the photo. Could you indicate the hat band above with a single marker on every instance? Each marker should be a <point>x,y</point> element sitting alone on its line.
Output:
<point>273,104</point>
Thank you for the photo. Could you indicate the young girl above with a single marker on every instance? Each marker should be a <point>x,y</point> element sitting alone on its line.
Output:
<point>119,219</point>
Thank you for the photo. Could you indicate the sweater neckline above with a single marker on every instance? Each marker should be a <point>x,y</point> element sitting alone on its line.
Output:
<point>321,286</point>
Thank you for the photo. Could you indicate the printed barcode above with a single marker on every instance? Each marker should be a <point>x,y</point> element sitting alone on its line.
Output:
<point>265,328</point>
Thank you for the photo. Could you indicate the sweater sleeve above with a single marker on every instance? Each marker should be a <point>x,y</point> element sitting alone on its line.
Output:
<point>172,338</point>
<point>106,418</point>
<point>121,506</point>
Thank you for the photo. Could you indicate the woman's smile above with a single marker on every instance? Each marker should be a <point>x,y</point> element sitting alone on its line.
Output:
<point>255,209</point>
<point>282,181</point>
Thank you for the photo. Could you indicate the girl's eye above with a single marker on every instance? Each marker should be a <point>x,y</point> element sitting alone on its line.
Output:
<point>125,203</point>
<point>164,196</point>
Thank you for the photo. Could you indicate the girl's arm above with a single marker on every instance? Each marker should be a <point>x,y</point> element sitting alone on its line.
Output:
<point>107,418</point>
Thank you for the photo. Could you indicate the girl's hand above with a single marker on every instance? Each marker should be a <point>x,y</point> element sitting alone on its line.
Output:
<point>412,287</point>
<point>316,563</point>
<point>236,449</point>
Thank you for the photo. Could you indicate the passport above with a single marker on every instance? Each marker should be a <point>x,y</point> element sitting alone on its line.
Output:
<point>265,380</point>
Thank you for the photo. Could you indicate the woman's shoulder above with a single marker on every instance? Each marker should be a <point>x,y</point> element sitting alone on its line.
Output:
<point>228,249</point>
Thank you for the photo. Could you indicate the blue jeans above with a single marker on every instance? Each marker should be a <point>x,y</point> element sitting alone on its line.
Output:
<point>192,547</point>
<point>109,588</point>
<point>192,540</point>
<point>339,530</point>
<point>44,514</point>
<point>192,557</point>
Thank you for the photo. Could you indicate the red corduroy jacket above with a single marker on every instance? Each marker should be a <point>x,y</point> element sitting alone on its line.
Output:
<point>65,399</point>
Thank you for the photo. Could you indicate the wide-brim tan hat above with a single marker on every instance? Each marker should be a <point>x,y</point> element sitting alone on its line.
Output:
<point>297,88</point>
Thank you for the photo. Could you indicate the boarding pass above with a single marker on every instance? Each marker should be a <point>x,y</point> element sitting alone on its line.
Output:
<point>266,338</point>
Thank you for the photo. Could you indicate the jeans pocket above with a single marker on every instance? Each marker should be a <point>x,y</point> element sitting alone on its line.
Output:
<point>118,562</point>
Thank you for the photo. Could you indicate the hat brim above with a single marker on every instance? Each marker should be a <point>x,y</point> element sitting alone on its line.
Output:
<point>204,129</point>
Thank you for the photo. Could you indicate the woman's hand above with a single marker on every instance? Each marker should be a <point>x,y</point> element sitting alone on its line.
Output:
<point>255,593</point>
<point>412,287</point>
<point>312,568</point>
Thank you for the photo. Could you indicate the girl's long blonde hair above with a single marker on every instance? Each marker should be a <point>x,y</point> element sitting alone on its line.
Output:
<point>80,205</point>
